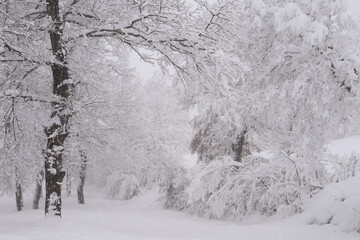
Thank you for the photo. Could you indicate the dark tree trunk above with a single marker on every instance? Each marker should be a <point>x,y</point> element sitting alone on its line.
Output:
<point>18,192</point>
<point>238,147</point>
<point>80,188</point>
<point>38,190</point>
<point>57,132</point>
<point>19,197</point>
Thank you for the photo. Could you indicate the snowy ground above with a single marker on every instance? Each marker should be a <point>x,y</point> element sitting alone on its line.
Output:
<point>326,217</point>
<point>143,218</point>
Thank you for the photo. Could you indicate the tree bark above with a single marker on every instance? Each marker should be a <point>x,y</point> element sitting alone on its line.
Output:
<point>57,132</point>
<point>68,185</point>
<point>38,190</point>
<point>80,188</point>
<point>19,197</point>
<point>239,146</point>
<point>18,192</point>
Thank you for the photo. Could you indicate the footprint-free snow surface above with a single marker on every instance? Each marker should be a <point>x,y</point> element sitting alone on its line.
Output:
<point>143,218</point>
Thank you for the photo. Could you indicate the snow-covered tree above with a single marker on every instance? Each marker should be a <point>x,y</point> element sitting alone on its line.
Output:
<point>167,27</point>
<point>21,113</point>
<point>292,88</point>
<point>155,143</point>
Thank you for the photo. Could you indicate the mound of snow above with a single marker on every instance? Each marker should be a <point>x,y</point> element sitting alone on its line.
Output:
<point>338,204</point>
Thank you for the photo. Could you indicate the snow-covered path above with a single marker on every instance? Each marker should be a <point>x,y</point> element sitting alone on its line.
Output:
<point>142,218</point>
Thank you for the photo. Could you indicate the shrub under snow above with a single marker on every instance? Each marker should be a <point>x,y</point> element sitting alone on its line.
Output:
<point>227,189</point>
<point>121,186</point>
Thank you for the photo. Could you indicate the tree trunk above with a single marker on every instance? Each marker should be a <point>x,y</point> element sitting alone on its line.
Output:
<point>239,147</point>
<point>68,185</point>
<point>19,197</point>
<point>80,188</point>
<point>18,192</point>
<point>38,190</point>
<point>354,159</point>
<point>57,132</point>
<point>10,136</point>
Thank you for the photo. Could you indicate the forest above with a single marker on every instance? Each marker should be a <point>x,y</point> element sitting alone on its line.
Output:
<point>245,127</point>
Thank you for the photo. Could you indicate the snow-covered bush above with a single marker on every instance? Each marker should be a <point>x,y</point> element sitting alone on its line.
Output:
<point>279,185</point>
<point>175,196</point>
<point>159,174</point>
<point>335,169</point>
<point>121,186</point>
<point>228,189</point>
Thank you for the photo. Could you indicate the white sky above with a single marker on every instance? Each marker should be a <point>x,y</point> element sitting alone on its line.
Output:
<point>143,69</point>
<point>146,70</point>
<point>354,9</point>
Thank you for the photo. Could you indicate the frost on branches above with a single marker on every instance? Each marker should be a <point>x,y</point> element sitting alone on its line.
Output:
<point>293,89</point>
<point>122,186</point>
<point>226,189</point>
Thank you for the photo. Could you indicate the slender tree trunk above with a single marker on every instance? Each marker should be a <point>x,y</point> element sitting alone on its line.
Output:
<point>355,159</point>
<point>10,136</point>
<point>238,147</point>
<point>19,197</point>
<point>68,185</point>
<point>38,189</point>
<point>57,132</point>
<point>80,188</point>
<point>18,192</point>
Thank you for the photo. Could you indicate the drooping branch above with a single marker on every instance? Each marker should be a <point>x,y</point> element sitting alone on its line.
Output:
<point>12,94</point>
<point>20,54</point>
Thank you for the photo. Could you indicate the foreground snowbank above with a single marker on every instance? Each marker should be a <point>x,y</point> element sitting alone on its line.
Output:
<point>338,204</point>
